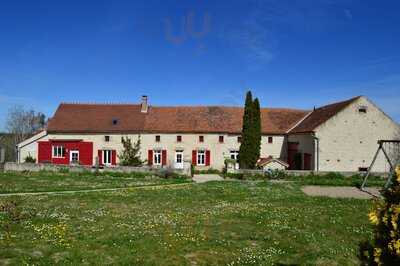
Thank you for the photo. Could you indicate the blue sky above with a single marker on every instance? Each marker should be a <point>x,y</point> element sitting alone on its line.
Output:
<point>290,53</point>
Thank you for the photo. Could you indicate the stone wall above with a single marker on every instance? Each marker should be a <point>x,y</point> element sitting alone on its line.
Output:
<point>307,172</point>
<point>33,167</point>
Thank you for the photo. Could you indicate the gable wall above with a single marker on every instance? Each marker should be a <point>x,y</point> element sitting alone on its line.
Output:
<point>349,139</point>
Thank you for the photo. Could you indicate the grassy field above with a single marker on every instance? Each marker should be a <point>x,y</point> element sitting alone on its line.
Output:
<point>217,223</point>
<point>330,179</point>
<point>12,182</point>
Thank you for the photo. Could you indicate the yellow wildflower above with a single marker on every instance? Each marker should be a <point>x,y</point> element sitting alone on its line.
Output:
<point>373,218</point>
<point>398,173</point>
<point>377,255</point>
<point>385,219</point>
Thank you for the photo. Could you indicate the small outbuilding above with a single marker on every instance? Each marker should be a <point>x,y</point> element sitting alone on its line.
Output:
<point>271,163</point>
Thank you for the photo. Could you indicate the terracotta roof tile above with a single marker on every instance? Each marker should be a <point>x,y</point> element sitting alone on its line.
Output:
<point>91,118</point>
<point>321,115</point>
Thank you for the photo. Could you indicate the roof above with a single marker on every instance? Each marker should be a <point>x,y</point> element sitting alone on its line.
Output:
<point>128,118</point>
<point>98,118</point>
<point>92,118</point>
<point>38,135</point>
<point>321,115</point>
<point>270,159</point>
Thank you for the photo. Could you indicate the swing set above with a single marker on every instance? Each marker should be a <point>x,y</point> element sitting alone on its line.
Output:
<point>391,151</point>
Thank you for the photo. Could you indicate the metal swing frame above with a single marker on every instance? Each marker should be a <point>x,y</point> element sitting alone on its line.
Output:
<point>381,148</point>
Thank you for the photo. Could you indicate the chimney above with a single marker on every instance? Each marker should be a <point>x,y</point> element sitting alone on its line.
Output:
<point>144,106</point>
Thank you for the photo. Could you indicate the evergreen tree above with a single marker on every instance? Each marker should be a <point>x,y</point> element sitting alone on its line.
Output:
<point>244,157</point>
<point>256,128</point>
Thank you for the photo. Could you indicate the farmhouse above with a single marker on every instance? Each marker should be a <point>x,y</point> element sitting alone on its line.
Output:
<point>337,137</point>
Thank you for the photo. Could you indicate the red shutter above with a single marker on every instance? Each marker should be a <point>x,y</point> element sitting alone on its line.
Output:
<point>114,157</point>
<point>150,157</point>
<point>208,158</point>
<point>100,154</point>
<point>194,157</point>
<point>164,157</point>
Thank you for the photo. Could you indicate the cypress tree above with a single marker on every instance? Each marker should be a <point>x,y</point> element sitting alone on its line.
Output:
<point>256,128</point>
<point>244,157</point>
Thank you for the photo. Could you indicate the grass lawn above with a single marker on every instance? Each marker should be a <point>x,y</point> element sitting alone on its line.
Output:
<point>216,223</point>
<point>12,182</point>
<point>333,179</point>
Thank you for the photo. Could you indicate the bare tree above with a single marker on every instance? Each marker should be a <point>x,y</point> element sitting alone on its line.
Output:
<point>20,125</point>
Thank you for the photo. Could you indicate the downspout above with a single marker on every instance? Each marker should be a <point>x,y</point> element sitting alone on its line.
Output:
<point>317,151</point>
<point>17,153</point>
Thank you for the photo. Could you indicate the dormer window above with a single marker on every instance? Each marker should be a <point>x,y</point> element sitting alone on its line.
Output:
<point>362,109</point>
<point>115,121</point>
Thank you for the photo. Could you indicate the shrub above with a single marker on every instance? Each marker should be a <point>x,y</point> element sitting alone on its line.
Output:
<point>208,171</point>
<point>234,175</point>
<point>333,175</point>
<point>63,170</point>
<point>169,173</point>
<point>130,155</point>
<point>30,159</point>
<point>276,174</point>
<point>192,170</point>
<point>384,249</point>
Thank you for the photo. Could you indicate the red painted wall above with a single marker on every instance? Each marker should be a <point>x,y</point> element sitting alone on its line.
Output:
<point>85,151</point>
<point>44,152</point>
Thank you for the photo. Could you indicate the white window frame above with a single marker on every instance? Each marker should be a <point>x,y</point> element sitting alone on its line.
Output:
<point>233,154</point>
<point>107,157</point>
<point>201,157</point>
<point>71,153</point>
<point>157,157</point>
<point>180,153</point>
<point>58,151</point>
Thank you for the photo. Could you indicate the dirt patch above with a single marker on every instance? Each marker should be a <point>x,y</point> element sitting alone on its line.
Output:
<point>341,192</point>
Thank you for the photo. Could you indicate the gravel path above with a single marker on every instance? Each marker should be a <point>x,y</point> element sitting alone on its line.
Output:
<point>341,192</point>
<point>206,177</point>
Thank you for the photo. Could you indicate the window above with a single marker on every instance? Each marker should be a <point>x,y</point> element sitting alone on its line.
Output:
<point>158,138</point>
<point>239,139</point>
<point>221,139</point>
<point>362,169</point>
<point>201,158</point>
<point>115,121</point>
<point>179,138</point>
<point>107,157</point>
<point>106,138</point>
<point>201,138</point>
<point>270,140</point>
<point>234,155</point>
<point>157,157</point>
<point>179,157</point>
<point>362,109</point>
<point>58,152</point>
